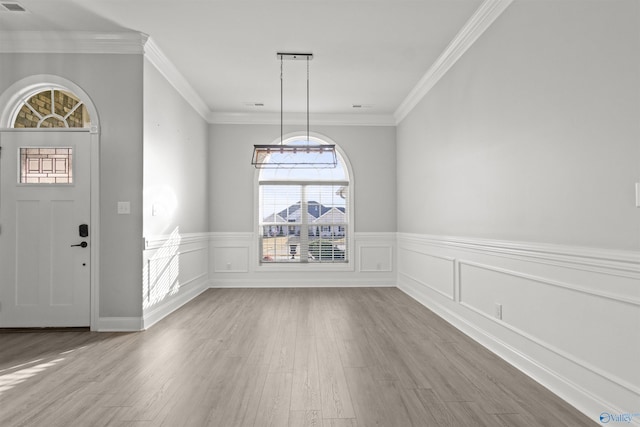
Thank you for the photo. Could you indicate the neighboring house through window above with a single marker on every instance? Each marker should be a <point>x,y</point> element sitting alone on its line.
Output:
<point>304,213</point>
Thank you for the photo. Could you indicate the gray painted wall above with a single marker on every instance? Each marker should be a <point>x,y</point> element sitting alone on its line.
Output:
<point>370,149</point>
<point>175,160</point>
<point>534,135</point>
<point>114,83</point>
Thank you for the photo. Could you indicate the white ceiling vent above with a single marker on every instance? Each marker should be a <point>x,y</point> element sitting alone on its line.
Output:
<point>11,7</point>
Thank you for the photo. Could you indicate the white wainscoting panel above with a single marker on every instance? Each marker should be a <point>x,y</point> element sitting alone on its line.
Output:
<point>375,258</point>
<point>231,259</point>
<point>436,272</point>
<point>570,317</point>
<point>234,263</point>
<point>176,270</point>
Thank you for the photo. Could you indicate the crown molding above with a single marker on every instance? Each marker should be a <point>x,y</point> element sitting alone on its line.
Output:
<point>301,119</point>
<point>72,42</point>
<point>158,59</point>
<point>482,19</point>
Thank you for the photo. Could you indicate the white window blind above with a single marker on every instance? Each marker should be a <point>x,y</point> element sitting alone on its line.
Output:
<point>304,221</point>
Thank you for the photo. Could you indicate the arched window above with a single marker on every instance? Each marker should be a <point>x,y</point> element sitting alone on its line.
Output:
<point>303,213</point>
<point>51,108</point>
<point>48,107</point>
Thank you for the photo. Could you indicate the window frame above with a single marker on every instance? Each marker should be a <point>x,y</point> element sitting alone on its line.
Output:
<point>349,265</point>
<point>25,97</point>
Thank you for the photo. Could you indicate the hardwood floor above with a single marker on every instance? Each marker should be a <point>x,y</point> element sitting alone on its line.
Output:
<point>273,357</point>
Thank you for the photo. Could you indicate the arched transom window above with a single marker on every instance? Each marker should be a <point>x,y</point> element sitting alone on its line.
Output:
<point>304,213</point>
<point>51,108</point>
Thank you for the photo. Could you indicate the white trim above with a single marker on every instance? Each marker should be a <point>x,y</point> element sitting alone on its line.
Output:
<point>192,282</point>
<point>19,92</point>
<point>375,246</point>
<point>95,224</point>
<point>158,59</point>
<point>244,274</point>
<point>454,285</point>
<point>160,311</point>
<point>585,365</point>
<point>572,376</point>
<point>325,119</point>
<point>245,249</point>
<point>598,260</point>
<point>230,235</point>
<point>119,324</point>
<point>298,283</point>
<point>582,399</point>
<point>72,42</point>
<point>555,283</point>
<point>157,241</point>
<point>483,17</point>
<point>14,95</point>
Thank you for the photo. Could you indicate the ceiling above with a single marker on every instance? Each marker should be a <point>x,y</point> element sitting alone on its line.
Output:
<point>370,53</point>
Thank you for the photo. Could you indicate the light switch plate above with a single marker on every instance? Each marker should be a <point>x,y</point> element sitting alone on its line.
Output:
<point>124,208</point>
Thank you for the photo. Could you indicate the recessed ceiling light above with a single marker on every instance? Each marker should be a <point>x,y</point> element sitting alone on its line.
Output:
<point>12,7</point>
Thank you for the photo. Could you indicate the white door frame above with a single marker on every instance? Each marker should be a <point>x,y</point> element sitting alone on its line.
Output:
<point>9,100</point>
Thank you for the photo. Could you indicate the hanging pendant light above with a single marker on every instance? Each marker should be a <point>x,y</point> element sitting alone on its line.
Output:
<point>294,156</point>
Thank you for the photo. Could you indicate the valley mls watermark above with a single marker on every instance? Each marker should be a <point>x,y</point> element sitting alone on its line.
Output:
<point>625,417</point>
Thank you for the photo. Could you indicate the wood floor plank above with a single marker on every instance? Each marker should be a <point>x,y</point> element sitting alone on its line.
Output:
<point>305,419</point>
<point>240,406</point>
<point>352,353</point>
<point>471,414</point>
<point>435,407</point>
<point>376,403</point>
<point>416,411</point>
<point>252,357</point>
<point>334,392</point>
<point>339,422</point>
<point>282,357</point>
<point>305,395</point>
<point>273,408</point>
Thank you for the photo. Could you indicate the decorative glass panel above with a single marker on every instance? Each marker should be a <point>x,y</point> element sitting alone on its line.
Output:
<point>52,108</point>
<point>40,165</point>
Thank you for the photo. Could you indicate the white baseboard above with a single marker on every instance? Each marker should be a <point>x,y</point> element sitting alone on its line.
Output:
<point>298,283</point>
<point>547,290</point>
<point>162,310</point>
<point>119,324</point>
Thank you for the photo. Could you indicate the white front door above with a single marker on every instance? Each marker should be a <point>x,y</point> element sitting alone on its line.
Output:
<point>44,201</point>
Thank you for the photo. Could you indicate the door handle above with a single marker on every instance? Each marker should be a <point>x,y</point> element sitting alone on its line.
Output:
<point>81,244</point>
